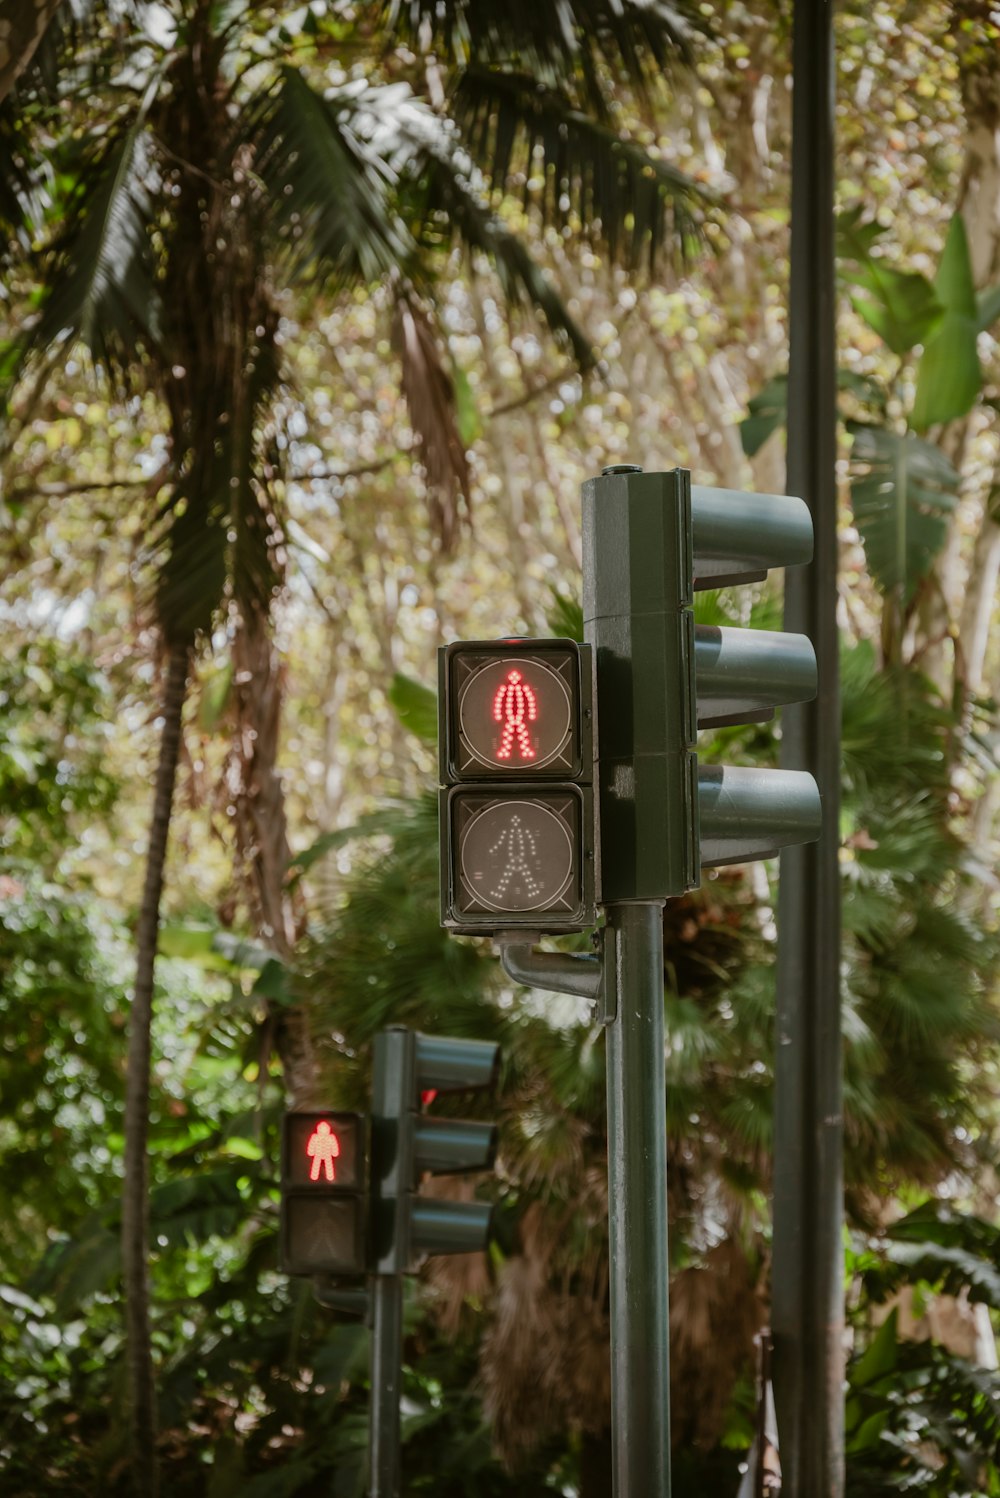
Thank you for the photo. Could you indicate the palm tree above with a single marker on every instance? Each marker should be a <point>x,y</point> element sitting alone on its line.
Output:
<point>209,163</point>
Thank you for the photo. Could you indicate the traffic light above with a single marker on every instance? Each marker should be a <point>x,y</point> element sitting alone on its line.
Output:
<point>515,736</point>
<point>410,1071</point>
<point>651,542</point>
<point>324,1166</point>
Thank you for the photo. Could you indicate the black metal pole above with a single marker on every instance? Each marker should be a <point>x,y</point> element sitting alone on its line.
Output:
<point>386,1379</point>
<point>807,1290</point>
<point>637,1189</point>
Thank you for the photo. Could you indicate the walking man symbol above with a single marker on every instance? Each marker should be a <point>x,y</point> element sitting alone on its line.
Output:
<point>513,703</point>
<point>323,1148</point>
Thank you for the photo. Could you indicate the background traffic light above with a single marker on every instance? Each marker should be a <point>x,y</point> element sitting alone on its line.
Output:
<point>324,1167</point>
<point>410,1070</point>
<point>516,764</point>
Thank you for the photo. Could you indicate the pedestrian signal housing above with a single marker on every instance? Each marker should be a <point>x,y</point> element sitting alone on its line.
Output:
<point>516,761</point>
<point>324,1162</point>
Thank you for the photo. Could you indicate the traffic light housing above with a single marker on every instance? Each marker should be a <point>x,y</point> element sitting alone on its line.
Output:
<point>515,736</point>
<point>407,1143</point>
<point>650,542</point>
<point>324,1170</point>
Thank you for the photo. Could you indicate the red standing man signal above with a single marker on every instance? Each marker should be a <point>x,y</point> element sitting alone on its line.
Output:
<point>514,703</point>
<point>322,1147</point>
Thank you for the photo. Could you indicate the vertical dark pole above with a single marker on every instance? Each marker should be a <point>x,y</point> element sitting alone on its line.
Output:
<point>807,1315</point>
<point>637,1189</point>
<point>386,1375</point>
<point>637,588</point>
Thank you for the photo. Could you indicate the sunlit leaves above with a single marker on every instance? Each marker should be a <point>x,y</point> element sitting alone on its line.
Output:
<point>901,306</point>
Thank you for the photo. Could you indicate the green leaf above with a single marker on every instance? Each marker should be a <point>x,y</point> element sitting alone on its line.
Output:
<point>215,698</point>
<point>949,379</point>
<point>767,412</point>
<point>214,950</point>
<point>375,824</point>
<point>565,617</point>
<point>768,409</point>
<point>953,283</point>
<point>467,415</point>
<point>869,1433</point>
<point>900,306</point>
<point>856,235</point>
<point>902,491</point>
<point>880,1357</point>
<point>193,944</point>
<point>415,706</point>
<point>273,982</point>
<point>987,308</point>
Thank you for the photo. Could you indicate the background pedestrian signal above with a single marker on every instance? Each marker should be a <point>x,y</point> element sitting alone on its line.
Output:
<point>323,1201</point>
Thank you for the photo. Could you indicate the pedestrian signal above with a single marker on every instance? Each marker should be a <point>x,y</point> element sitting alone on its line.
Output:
<point>516,760</point>
<point>323,1203</point>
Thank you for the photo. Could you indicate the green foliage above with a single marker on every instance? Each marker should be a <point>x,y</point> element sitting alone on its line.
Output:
<point>918,1417</point>
<point>903,490</point>
<point>55,717</point>
<point>949,379</point>
<point>415,706</point>
<point>767,412</point>
<point>918,996</point>
<point>902,307</point>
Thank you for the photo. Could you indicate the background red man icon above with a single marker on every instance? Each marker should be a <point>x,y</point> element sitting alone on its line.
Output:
<point>515,705</point>
<point>322,1147</point>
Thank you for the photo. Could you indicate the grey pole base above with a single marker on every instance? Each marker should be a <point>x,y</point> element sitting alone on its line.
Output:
<point>637,1189</point>
<point>386,1376</point>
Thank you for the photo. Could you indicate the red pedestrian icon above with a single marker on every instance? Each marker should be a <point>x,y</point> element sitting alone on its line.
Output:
<point>515,706</point>
<point>322,1148</point>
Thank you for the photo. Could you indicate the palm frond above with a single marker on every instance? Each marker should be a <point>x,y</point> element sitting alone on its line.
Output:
<point>219,522</point>
<point>633,201</point>
<point>442,195</point>
<point>430,399</point>
<point>453,207</point>
<point>329,184</point>
<point>635,40</point>
<point>19,184</point>
<point>102,283</point>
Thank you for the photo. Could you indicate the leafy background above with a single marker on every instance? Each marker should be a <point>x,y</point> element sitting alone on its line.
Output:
<point>423,445</point>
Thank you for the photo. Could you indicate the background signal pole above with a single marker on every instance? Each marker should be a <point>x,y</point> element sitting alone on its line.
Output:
<point>807,1294</point>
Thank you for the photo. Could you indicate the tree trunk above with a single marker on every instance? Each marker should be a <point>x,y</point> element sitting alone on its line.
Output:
<point>135,1189</point>
<point>22,26</point>
<point>261,831</point>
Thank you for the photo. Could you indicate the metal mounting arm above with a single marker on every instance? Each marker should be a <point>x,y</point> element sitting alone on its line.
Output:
<point>561,972</point>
